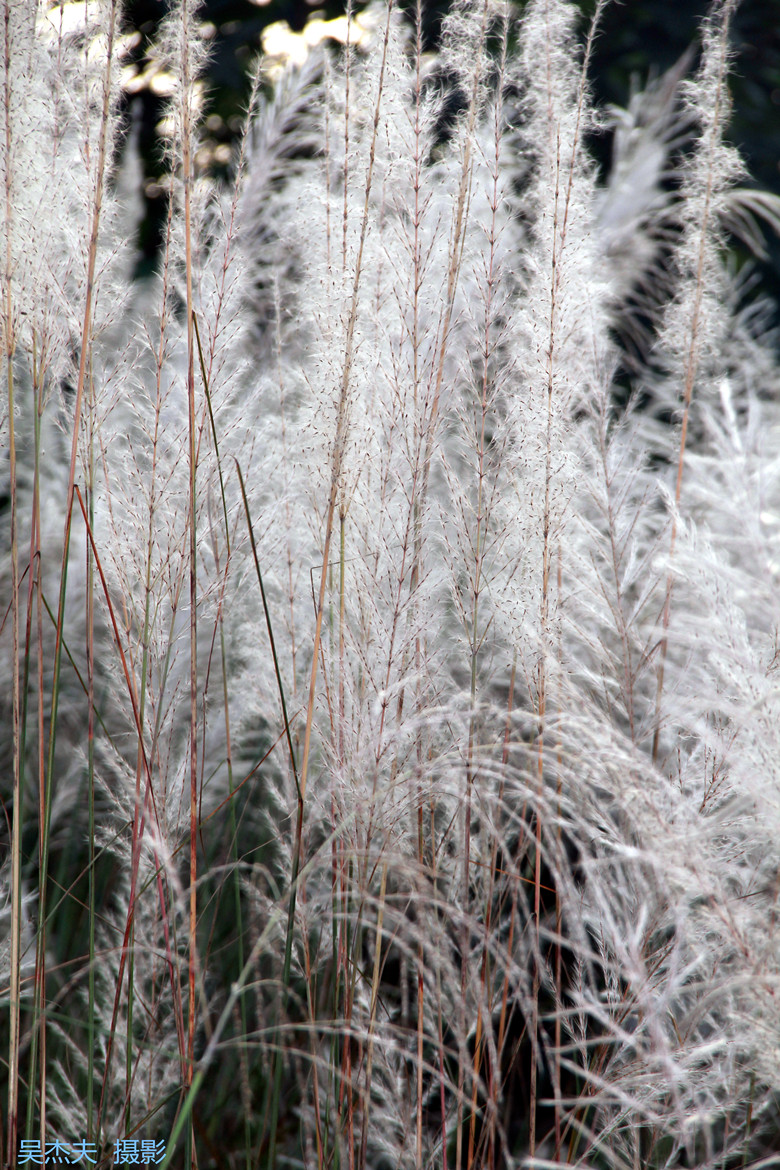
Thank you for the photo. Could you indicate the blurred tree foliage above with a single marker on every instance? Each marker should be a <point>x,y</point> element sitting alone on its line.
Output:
<point>637,38</point>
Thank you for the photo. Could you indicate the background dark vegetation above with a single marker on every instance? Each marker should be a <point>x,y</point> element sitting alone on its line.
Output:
<point>638,38</point>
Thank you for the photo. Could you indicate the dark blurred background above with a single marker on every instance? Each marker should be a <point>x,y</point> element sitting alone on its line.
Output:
<point>637,37</point>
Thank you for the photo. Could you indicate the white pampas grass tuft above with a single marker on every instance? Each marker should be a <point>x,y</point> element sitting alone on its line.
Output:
<point>389,701</point>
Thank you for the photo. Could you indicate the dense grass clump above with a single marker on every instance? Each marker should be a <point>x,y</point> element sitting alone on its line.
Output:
<point>390,590</point>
